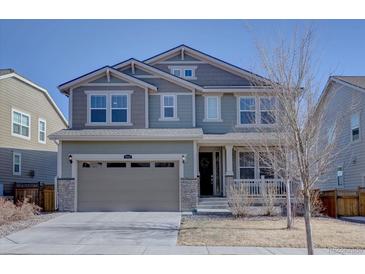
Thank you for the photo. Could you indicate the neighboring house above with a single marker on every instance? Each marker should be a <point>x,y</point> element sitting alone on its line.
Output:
<point>27,115</point>
<point>159,134</point>
<point>342,106</point>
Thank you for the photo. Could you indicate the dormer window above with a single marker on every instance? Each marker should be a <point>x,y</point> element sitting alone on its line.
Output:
<point>186,72</point>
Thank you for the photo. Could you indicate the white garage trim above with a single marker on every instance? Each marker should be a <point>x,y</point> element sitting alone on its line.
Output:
<point>120,157</point>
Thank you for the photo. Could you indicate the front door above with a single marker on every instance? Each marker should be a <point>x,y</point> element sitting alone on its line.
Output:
<point>206,173</point>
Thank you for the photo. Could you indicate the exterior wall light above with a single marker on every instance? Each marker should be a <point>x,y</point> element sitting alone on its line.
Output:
<point>70,158</point>
<point>183,159</point>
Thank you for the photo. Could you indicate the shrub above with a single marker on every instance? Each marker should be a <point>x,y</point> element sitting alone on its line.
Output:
<point>239,199</point>
<point>10,212</point>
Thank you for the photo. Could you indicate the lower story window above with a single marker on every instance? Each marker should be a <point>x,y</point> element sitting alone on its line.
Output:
<point>163,164</point>
<point>17,163</point>
<point>116,164</point>
<point>140,164</point>
<point>247,165</point>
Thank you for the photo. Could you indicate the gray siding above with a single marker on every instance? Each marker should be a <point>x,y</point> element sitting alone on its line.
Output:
<point>104,79</point>
<point>145,147</point>
<point>35,156</point>
<point>79,107</point>
<point>228,115</point>
<point>44,164</point>
<point>184,112</point>
<point>177,57</point>
<point>340,103</point>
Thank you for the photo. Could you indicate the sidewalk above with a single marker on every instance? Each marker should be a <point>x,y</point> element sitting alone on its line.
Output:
<point>12,248</point>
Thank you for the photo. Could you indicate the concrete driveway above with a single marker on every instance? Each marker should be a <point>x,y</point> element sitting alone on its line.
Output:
<point>96,233</point>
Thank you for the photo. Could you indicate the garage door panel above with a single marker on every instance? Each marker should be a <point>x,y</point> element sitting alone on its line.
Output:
<point>126,188</point>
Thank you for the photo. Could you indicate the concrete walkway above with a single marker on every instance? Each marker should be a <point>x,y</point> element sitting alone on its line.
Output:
<point>122,233</point>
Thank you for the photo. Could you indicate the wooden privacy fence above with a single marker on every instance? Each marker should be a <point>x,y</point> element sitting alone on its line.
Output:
<point>344,202</point>
<point>38,193</point>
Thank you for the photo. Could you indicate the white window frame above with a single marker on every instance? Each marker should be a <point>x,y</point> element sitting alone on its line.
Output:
<point>176,69</point>
<point>260,111</point>
<point>162,108</point>
<point>20,164</point>
<point>238,165</point>
<point>219,109</point>
<point>182,71</point>
<point>352,128</point>
<point>108,95</point>
<point>128,122</point>
<point>12,124</point>
<point>39,130</point>
<point>239,124</point>
<point>256,163</point>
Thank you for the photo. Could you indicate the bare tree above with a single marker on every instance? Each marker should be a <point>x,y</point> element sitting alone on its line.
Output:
<point>301,153</point>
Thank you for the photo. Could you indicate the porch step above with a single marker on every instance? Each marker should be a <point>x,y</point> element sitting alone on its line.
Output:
<point>213,205</point>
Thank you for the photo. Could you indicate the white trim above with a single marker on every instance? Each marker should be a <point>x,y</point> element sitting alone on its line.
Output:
<point>162,108</point>
<point>113,157</point>
<point>163,74</point>
<point>146,108</point>
<point>39,131</point>
<point>20,164</point>
<point>116,73</point>
<point>194,108</point>
<point>108,94</point>
<point>108,85</point>
<point>175,93</point>
<point>146,76</point>
<point>12,124</point>
<point>184,62</point>
<point>219,109</point>
<point>70,106</point>
<point>54,105</point>
<point>358,113</point>
<point>195,158</point>
<point>59,159</point>
<point>229,160</point>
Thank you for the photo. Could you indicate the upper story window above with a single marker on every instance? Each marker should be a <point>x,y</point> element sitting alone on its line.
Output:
<point>355,127</point>
<point>119,108</point>
<point>247,110</point>
<point>212,108</point>
<point>98,109</point>
<point>176,72</point>
<point>42,131</point>
<point>168,107</point>
<point>20,124</point>
<point>187,72</point>
<point>111,108</point>
<point>267,110</point>
<point>17,163</point>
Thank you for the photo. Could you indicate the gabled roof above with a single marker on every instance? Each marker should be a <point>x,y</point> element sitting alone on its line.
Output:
<point>103,70</point>
<point>355,82</point>
<point>8,73</point>
<point>210,59</point>
<point>156,71</point>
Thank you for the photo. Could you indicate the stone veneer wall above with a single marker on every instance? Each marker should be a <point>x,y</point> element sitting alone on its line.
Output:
<point>66,194</point>
<point>189,194</point>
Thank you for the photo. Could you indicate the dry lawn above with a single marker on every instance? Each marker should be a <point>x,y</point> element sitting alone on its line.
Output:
<point>269,232</point>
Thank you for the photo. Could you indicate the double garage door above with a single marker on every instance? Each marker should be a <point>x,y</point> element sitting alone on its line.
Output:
<point>128,186</point>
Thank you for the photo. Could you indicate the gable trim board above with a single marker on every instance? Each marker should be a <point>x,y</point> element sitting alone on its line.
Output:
<point>207,58</point>
<point>45,92</point>
<point>104,70</point>
<point>162,74</point>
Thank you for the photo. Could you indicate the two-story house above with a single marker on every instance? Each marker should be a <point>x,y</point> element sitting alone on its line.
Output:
<point>160,133</point>
<point>342,107</point>
<point>27,116</point>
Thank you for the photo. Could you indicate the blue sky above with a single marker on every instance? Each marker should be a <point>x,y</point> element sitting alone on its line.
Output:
<point>52,52</point>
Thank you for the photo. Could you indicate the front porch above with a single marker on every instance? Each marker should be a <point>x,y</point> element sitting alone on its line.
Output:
<point>222,165</point>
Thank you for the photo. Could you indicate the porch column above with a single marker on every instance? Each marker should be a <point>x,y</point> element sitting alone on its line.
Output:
<point>229,165</point>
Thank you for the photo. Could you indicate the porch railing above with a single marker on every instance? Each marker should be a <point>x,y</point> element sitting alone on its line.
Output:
<point>256,188</point>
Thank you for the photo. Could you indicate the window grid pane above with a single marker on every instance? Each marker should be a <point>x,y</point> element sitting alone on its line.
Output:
<point>21,124</point>
<point>188,73</point>
<point>168,106</point>
<point>212,105</point>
